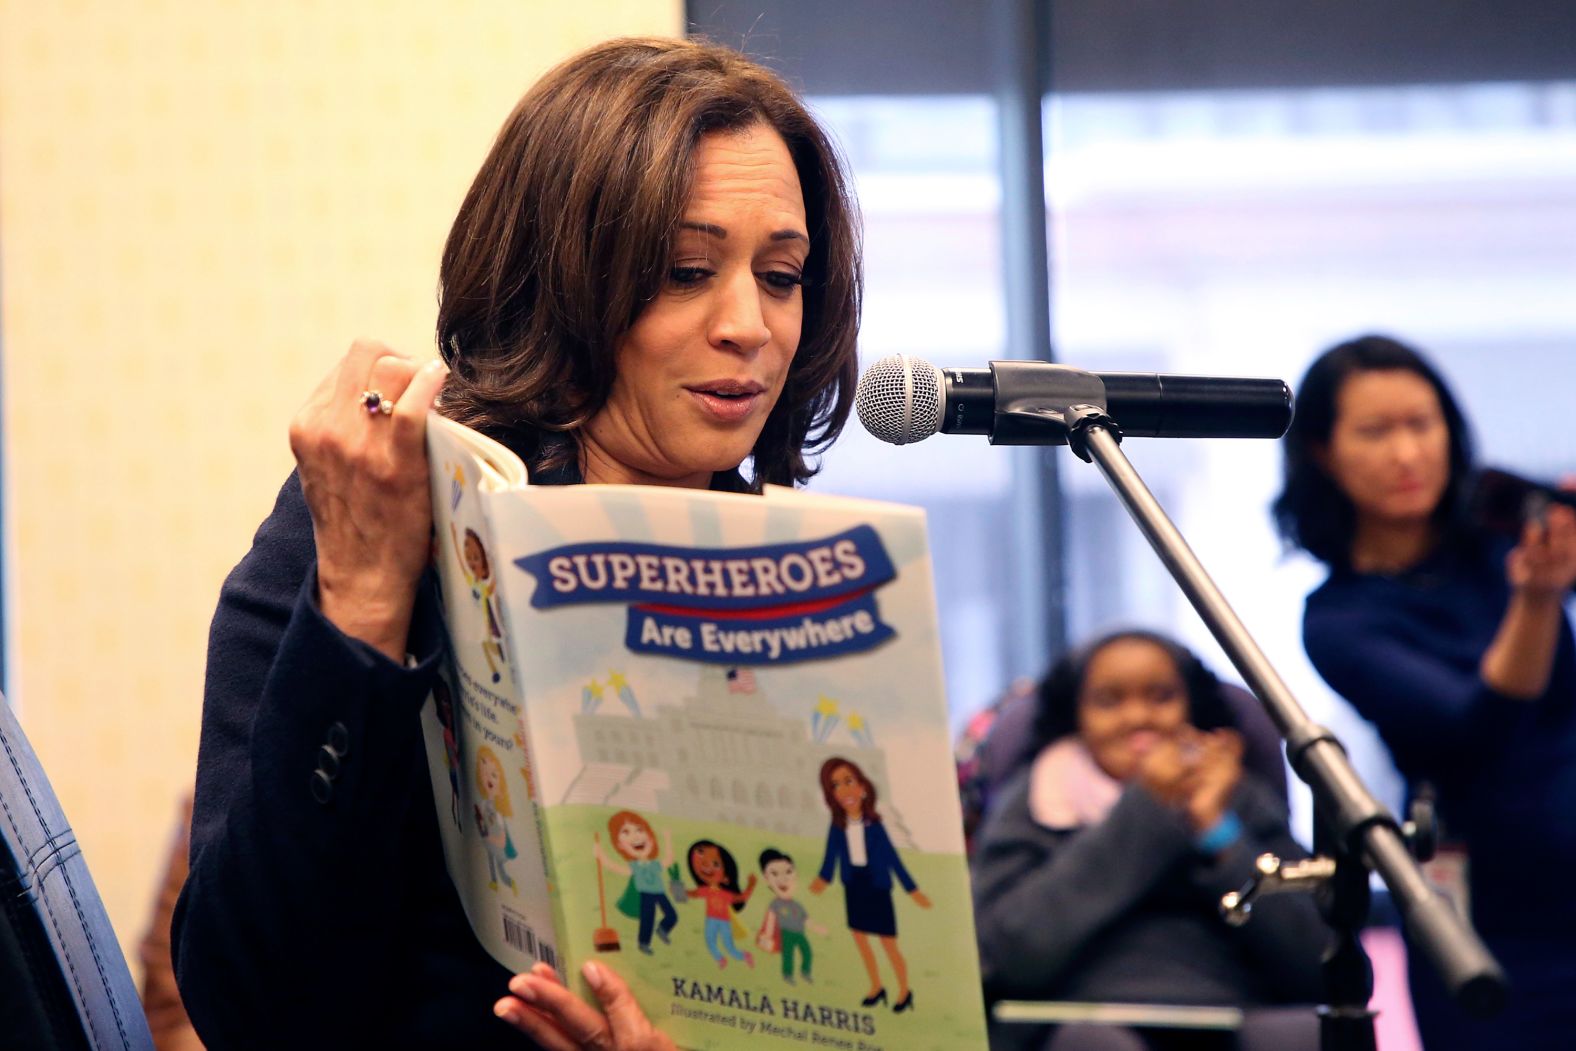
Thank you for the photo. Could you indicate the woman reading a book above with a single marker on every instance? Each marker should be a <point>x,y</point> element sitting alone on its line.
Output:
<point>1455,643</point>
<point>654,278</point>
<point>1101,865</point>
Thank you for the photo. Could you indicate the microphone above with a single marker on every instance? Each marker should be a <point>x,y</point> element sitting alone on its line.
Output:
<point>903,399</point>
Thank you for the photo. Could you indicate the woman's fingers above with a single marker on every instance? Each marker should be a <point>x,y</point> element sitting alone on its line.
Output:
<point>533,1023</point>
<point>419,394</point>
<point>568,1015</point>
<point>523,1009</point>
<point>631,1029</point>
<point>1545,560</point>
<point>556,1018</point>
<point>355,369</point>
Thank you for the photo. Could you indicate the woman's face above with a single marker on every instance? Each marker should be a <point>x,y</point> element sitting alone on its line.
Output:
<point>1133,697</point>
<point>1389,448</point>
<point>848,790</point>
<point>708,866</point>
<point>706,360</point>
<point>633,841</point>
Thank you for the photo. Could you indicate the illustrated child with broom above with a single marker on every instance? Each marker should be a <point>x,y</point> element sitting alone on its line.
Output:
<point>635,841</point>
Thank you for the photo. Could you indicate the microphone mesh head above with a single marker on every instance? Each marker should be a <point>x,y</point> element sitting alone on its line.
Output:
<point>899,399</point>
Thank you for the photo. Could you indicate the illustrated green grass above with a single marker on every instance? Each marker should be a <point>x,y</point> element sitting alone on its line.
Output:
<point>938,944</point>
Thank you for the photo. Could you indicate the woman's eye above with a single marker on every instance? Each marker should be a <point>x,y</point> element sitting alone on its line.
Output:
<point>688,275</point>
<point>782,280</point>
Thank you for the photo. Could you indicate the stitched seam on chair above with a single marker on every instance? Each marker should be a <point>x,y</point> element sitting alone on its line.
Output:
<point>57,853</point>
<point>31,876</point>
<point>43,899</point>
<point>49,845</point>
<point>27,790</point>
<point>61,853</point>
<point>23,878</point>
<point>98,959</point>
<point>52,844</point>
<point>98,963</point>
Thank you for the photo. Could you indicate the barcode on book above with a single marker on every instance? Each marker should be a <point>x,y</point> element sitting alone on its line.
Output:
<point>520,936</point>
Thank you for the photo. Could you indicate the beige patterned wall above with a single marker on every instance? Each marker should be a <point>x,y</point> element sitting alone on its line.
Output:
<point>201,205</point>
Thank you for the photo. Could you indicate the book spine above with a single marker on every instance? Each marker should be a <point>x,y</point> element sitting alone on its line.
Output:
<point>545,946</point>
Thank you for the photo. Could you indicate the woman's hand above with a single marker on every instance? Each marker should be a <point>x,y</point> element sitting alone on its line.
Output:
<point>364,475</point>
<point>547,1012</point>
<point>1543,565</point>
<point>920,898</point>
<point>817,885</point>
<point>1217,769</point>
<point>1540,571</point>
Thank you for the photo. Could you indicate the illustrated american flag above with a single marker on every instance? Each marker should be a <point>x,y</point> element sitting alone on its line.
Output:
<point>741,680</point>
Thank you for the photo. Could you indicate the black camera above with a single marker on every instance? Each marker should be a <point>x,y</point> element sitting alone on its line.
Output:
<point>1501,502</point>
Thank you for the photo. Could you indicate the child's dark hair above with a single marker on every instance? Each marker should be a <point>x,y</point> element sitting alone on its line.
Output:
<point>771,854</point>
<point>730,868</point>
<point>1057,712</point>
<point>471,534</point>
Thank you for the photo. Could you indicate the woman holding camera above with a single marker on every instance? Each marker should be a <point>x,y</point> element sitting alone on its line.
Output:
<point>1455,644</point>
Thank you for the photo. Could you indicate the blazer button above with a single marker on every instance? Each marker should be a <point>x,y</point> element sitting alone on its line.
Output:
<point>339,739</point>
<point>328,762</point>
<point>322,787</point>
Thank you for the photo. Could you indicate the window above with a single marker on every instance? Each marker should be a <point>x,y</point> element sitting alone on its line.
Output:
<point>1242,232</point>
<point>925,170</point>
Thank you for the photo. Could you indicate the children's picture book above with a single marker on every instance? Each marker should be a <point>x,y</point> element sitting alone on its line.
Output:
<point>702,737</point>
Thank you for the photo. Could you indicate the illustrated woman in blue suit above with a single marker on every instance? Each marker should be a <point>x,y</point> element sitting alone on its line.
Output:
<point>857,844</point>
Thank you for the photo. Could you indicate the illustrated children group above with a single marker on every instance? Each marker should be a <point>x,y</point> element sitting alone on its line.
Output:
<point>857,849</point>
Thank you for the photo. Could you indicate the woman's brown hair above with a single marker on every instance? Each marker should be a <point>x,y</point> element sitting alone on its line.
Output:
<point>867,806</point>
<point>566,234</point>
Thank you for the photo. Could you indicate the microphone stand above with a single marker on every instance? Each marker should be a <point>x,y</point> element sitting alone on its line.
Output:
<point>1352,826</point>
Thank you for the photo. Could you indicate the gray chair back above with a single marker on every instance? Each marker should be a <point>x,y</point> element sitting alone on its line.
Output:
<point>63,980</point>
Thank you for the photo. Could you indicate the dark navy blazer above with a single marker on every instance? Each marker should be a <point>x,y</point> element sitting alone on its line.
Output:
<point>318,912</point>
<point>880,857</point>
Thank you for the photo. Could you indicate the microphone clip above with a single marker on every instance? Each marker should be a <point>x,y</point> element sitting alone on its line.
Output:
<point>1040,404</point>
<point>1033,425</point>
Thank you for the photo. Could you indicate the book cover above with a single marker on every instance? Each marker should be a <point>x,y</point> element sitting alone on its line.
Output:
<point>730,772</point>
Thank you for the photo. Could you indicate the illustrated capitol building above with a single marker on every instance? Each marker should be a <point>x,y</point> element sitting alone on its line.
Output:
<point>725,754</point>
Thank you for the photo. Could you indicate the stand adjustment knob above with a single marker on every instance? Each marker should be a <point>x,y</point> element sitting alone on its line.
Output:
<point>1274,876</point>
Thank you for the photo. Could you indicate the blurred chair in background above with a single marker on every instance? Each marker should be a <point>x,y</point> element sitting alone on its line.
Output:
<point>63,981</point>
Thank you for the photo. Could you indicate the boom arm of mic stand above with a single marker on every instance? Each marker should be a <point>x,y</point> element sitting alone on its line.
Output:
<point>1363,827</point>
